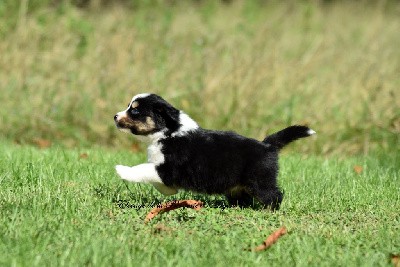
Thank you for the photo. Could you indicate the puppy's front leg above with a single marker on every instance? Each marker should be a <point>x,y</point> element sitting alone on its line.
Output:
<point>144,173</point>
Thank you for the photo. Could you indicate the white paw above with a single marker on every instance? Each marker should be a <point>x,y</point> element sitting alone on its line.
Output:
<point>124,172</point>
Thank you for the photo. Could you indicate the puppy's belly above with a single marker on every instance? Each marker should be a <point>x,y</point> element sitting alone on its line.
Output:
<point>202,175</point>
<point>210,188</point>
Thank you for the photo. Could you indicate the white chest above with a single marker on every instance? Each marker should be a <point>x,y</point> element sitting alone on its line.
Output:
<point>154,154</point>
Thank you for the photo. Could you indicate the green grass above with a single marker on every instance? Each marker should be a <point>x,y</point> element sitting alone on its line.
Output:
<point>58,209</point>
<point>249,66</point>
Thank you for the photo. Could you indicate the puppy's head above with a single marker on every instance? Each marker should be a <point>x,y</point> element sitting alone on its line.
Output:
<point>148,114</point>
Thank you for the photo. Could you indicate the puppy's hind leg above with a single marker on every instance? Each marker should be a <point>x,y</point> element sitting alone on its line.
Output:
<point>262,184</point>
<point>144,173</point>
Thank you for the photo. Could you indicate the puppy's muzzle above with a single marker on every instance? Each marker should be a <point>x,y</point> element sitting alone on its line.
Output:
<point>118,121</point>
<point>119,116</point>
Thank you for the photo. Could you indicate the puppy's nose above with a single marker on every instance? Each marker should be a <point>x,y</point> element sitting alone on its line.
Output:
<point>115,117</point>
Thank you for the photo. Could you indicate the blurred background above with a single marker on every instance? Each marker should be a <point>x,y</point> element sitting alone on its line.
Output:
<point>66,67</point>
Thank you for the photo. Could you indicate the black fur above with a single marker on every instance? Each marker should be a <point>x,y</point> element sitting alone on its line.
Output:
<point>219,162</point>
<point>216,162</point>
<point>287,135</point>
<point>163,114</point>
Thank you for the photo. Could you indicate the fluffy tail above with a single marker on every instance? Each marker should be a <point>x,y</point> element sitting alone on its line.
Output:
<point>287,135</point>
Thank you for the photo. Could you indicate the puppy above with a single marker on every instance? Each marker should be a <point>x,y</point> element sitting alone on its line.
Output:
<point>182,155</point>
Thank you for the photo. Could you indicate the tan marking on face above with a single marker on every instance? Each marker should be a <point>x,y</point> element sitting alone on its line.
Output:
<point>125,122</point>
<point>145,127</point>
<point>134,104</point>
<point>140,127</point>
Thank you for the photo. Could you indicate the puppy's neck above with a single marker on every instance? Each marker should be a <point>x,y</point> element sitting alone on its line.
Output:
<point>151,138</point>
<point>187,125</point>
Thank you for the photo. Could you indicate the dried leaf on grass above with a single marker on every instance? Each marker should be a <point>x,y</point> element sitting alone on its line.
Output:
<point>83,156</point>
<point>395,260</point>
<point>358,169</point>
<point>271,239</point>
<point>42,143</point>
<point>135,147</point>
<point>176,204</point>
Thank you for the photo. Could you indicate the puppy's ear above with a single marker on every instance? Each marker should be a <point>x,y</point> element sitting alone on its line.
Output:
<point>170,116</point>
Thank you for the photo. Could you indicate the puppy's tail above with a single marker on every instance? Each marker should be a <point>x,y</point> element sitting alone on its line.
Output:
<point>287,135</point>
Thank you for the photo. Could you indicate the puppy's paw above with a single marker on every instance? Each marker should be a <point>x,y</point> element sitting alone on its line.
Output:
<point>124,172</point>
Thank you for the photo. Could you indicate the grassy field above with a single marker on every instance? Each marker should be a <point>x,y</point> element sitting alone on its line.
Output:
<point>249,66</point>
<point>68,208</point>
<point>244,66</point>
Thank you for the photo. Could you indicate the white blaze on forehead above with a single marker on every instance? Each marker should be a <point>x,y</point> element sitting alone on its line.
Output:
<point>136,97</point>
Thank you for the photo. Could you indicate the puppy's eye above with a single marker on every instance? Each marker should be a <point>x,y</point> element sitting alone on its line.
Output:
<point>134,111</point>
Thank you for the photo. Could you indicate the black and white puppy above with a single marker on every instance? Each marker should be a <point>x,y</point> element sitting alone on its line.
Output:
<point>181,155</point>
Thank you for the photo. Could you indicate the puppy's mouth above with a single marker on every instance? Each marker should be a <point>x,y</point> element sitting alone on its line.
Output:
<point>137,127</point>
<point>123,123</point>
<point>122,127</point>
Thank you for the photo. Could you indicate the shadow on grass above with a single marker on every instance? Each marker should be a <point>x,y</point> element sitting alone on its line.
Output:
<point>219,201</point>
<point>125,198</point>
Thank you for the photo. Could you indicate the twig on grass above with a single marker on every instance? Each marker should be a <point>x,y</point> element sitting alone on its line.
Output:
<point>176,204</point>
<point>271,239</point>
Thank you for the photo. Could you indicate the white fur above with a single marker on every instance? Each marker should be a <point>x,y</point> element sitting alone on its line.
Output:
<point>187,125</point>
<point>154,150</point>
<point>147,173</point>
<point>154,154</point>
<point>121,115</point>
<point>136,97</point>
<point>144,173</point>
<point>311,132</point>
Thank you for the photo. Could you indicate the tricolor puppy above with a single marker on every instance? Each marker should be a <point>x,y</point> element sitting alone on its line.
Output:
<point>182,155</point>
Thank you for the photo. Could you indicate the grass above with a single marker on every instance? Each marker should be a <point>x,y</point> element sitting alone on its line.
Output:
<point>68,208</point>
<point>244,66</point>
<point>249,66</point>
